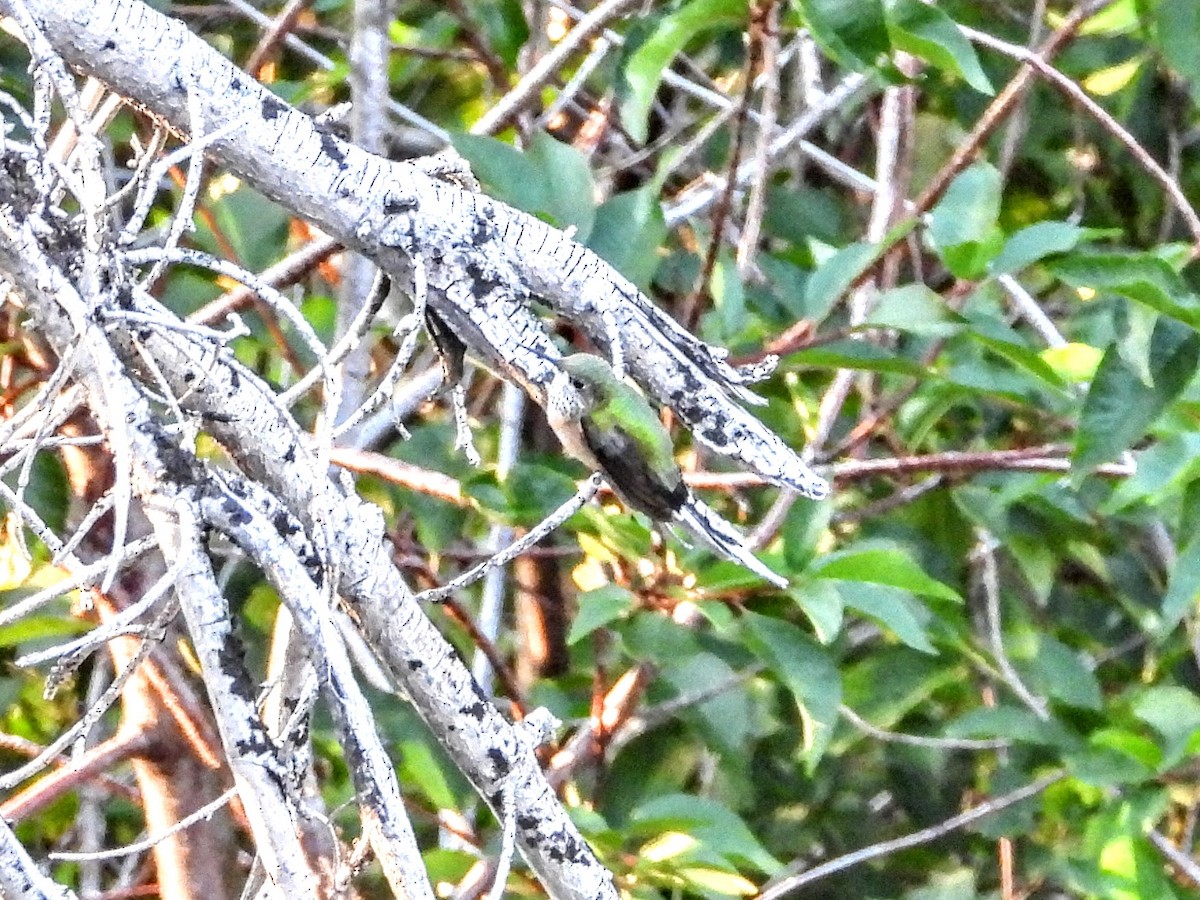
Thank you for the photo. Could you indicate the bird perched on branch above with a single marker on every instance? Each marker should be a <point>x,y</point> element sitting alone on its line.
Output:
<point>607,424</point>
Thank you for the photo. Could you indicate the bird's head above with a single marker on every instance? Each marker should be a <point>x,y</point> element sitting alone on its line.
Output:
<point>583,383</point>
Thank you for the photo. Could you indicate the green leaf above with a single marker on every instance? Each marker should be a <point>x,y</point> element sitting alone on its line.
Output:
<point>1137,747</point>
<point>1141,277</point>
<point>1023,358</point>
<point>1164,470</point>
<point>807,670</point>
<point>854,32</point>
<point>795,212</point>
<point>551,180</point>
<point>504,171</point>
<point>644,68</point>
<point>707,821</point>
<point>882,565</point>
<point>568,177</point>
<point>822,604</point>
<point>889,684</point>
<point>1126,865</point>
<point>835,275</point>
<point>1178,23</point>
<point>1054,669</point>
<point>855,355</point>
<point>917,309</point>
<point>1015,724</point>
<point>726,720</point>
<point>628,231</point>
<point>1102,765</point>
<point>729,300</point>
<point>599,607</point>
<point>419,767</point>
<point>929,34</point>
<point>891,607</point>
<point>963,224</point>
<point>30,631</point>
<point>533,491</point>
<point>1183,587</point>
<point>504,27</point>
<point>1174,351</point>
<point>1174,712</point>
<point>1117,411</point>
<point>959,884</point>
<point>1042,239</point>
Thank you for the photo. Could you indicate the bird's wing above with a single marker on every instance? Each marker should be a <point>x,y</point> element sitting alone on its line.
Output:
<point>449,345</point>
<point>629,411</point>
<point>624,462</point>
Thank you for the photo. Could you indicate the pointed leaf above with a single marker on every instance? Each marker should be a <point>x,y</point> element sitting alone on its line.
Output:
<point>1183,587</point>
<point>883,565</point>
<point>1117,411</point>
<point>708,822</point>
<point>644,68</point>
<point>963,224</point>
<point>628,230</point>
<point>835,275</point>
<point>1174,351</point>
<point>891,607</point>
<point>1042,239</point>
<point>599,607</point>
<point>807,670</point>
<point>854,32</point>
<point>1141,277</point>
<point>1174,712</point>
<point>916,309</point>
<point>929,34</point>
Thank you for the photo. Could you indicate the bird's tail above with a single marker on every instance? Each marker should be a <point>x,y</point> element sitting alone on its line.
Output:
<point>722,537</point>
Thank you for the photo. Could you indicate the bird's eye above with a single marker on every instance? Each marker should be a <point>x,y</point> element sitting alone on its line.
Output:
<point>576,383</point>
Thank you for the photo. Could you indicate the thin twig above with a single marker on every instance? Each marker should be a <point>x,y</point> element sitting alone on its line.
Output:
<point>1183,863</point>
<point>792,883</point>
<point>1077,95</point>
<point>916,740</point>
<point>533,81</point>
<point>202,814</point>
<point>268,44</point>
<point>984,556</point>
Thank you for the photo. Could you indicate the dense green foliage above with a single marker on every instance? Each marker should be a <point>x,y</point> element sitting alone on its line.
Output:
<point>1027,608</point>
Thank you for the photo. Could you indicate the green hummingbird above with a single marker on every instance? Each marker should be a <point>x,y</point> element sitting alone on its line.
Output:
<point>604,422</point>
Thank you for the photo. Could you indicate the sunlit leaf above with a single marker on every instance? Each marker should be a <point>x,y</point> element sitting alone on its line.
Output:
<point>707,822</point>
<point>1104,82</point>
<point>1073,362</point>
<point>1174,712</point>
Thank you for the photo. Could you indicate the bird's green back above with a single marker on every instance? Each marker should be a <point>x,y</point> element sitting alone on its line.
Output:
<point>622,407</point>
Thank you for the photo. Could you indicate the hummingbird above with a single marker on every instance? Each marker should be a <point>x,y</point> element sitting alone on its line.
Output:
<point>604,422</point>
